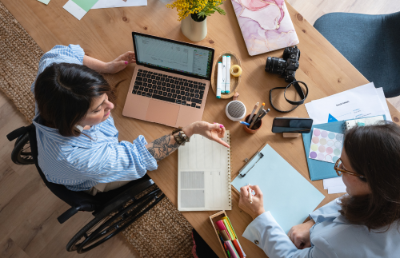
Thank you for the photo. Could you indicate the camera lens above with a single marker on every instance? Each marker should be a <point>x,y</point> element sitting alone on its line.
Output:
<point>275,65</point>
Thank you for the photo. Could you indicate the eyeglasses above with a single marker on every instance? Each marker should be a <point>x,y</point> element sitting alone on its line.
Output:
<point>340,171</point>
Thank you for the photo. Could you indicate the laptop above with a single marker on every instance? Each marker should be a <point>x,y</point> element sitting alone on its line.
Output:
<point>170,81</point>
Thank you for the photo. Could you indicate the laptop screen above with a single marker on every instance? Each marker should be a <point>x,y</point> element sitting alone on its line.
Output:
<point>173,56</point>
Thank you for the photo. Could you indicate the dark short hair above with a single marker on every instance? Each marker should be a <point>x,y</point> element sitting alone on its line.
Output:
<point>64,93</point>
<point>374,151</point>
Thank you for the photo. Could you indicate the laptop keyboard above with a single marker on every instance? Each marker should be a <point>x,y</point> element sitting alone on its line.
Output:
<point>169,88</point>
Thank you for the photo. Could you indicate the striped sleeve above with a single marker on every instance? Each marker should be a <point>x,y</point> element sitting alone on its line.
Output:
<point>111,162</point>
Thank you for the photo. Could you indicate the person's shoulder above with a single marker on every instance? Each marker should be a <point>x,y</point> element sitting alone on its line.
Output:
<point>62,54</point>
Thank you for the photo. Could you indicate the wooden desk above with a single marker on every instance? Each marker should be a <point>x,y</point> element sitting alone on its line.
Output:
<point>106,33</point>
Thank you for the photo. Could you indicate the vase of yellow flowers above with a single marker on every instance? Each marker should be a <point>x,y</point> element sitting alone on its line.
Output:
<point>193,16</point>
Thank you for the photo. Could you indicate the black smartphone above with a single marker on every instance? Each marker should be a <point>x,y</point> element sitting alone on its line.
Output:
<point>291,125</point>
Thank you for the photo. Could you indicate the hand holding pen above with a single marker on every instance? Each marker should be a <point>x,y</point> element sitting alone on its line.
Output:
<point>255,208</point>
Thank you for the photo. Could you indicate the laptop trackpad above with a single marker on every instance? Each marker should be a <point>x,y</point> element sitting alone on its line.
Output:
<point>162,112</point>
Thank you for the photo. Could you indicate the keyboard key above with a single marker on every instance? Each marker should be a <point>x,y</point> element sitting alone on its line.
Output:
<point>169,95</point>
<point>172,91</point>
<point>193,104</point>
<point>134,91</point>
<point>164,88</point>
<point>164,75</point>
<point>150,90</point>
<point>196,91</point>
<point>141,88</point>
<point>168,90</point>
<point>191,85</point>
<point>187,98</point>
<point>192,95</point>
<point>198,101</point>
<point>159,83</point>
<point>188,105</point>
<point>197,106</point>
<point>158,87</point>
<point>201,94</point>
<point>167,80</point>
<point>140,70</point>
<point>202,87</point>
<point>146,90</point>
<point>145,84</point>
<point>179,97</point>
<point>148,76</point>
<point>163,79</point>
<point>139,93</point>
<point>174,96</point>
<point>183,102</point>
<point>155,91</point>
<point>178,101</point>
<point>148,95</point>
<point>143,93</point>
<point>153,77</point>
<point>136,87</point>
<point>156,96</point>
<point>145,79</point>
<point>191,90</point>
<point>183,98</point>
<point>154,86</point>
<point>197,95</point>
<point>158,78</point>
<point>163,84</point>
<point>187,94</point>
<point>178,87</point>
<point>164,93</point>
<point>138,83</point>
<point>186,84</point>
<point>184,80</point>
<point>182,92</point>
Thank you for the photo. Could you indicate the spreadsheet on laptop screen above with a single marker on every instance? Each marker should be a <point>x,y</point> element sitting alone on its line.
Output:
<point>173,56</point>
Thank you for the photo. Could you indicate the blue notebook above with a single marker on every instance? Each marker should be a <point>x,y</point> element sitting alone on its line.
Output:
<point>287,194</point>
<point>321,169</point>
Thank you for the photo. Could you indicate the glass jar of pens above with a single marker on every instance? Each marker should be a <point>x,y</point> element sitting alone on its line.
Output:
<point>253,122</point>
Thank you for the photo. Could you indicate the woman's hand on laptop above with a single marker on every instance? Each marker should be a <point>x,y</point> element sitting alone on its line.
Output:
<point>211,131</point>
<point>121,62</point>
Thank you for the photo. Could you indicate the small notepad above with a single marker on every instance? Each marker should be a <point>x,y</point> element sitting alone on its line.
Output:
<point>325,145</point>
<point>78,8</point>
<point>204,175</point>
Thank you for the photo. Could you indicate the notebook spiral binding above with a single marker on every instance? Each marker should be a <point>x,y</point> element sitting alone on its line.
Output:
<point>228,139</point>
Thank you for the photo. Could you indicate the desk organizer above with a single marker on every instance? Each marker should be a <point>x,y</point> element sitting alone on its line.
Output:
<point>234,80</point>
<point>232,245</point>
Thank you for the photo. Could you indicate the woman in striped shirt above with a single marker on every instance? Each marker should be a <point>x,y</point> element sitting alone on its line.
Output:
<point>78,143</point>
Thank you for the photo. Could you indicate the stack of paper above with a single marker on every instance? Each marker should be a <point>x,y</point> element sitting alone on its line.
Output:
<point>334,185</point>
<point>363,101</point>
<point>78,8</point>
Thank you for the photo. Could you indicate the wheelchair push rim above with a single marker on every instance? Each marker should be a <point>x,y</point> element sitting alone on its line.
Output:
<point>103,228</point>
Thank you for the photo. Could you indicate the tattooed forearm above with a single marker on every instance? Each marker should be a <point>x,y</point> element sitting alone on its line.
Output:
<point>162,147</point>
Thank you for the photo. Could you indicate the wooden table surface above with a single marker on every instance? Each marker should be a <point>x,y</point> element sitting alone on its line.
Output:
<point>106,33</point>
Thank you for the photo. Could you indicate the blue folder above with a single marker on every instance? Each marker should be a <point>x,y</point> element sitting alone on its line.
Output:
<point>321,169</point>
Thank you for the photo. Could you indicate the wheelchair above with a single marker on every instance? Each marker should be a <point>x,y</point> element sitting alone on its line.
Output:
<point>113,211</point>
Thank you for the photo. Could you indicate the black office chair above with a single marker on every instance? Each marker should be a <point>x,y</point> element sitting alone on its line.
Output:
<point>113,211</point>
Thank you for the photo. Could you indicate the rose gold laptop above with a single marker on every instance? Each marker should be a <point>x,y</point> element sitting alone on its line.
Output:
<point>170,81</point>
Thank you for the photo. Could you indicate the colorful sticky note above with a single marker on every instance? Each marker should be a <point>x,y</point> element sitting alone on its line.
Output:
<point>326,146</point>
<point>46,2</point>
<point>78,8</point>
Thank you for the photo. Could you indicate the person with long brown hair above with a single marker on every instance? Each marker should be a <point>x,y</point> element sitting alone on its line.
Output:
<point>363,223</point>
<point>77,140</point>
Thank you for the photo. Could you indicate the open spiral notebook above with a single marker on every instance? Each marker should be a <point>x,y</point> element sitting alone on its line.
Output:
<point>204,175</point>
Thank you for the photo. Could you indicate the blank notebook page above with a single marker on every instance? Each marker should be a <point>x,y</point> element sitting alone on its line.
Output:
<point>204,175</point>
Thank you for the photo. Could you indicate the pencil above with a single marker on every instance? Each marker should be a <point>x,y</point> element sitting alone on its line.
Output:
<point>252,113</point>
<point>256,116</point>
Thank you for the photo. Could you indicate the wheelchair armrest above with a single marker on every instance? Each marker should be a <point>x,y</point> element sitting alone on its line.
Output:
<point>72,211</point>
<point>17,132</point>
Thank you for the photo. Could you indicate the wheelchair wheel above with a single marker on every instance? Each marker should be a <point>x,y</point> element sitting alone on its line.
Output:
<point>21,153</point>
<point>109,223</point>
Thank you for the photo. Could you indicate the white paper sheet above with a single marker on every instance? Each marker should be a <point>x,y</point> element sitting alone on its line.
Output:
<point>336,189</point>
<point>118,3</point>
<point>334,185</point>
<point>363,101</point>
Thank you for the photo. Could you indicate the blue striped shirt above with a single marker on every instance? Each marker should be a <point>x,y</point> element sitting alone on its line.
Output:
<point>81,162</point>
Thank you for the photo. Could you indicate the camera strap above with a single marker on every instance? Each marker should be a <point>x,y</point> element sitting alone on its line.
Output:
<point>296,84</point>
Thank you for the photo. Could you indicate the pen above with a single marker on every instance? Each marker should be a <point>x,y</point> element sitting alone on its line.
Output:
<point>250,196</point>
<point>228,74</point>
<point>219,80</point>
<point>244,123</point>
<point>262,115</point>
<point>252,113</point>
<point>256,116</point>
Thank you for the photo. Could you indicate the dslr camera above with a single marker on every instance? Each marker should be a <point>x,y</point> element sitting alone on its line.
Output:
<point>286,67</point>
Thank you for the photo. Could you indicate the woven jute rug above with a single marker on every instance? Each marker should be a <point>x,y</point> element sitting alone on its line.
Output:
<point>162,231</point>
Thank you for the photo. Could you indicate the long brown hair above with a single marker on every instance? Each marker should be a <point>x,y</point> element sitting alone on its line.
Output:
<point>64,93</point>
<point>374,151</point>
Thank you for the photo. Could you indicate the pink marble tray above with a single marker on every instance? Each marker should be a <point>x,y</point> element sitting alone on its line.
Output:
<point>265,25</point>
